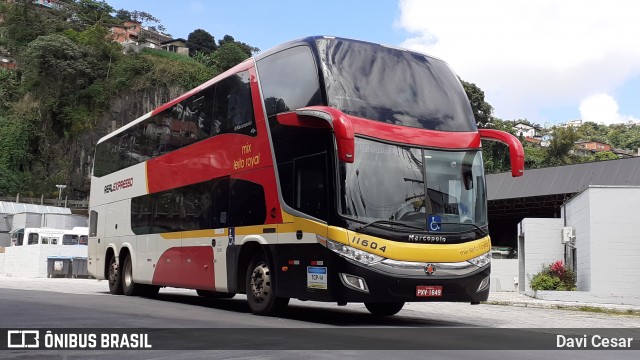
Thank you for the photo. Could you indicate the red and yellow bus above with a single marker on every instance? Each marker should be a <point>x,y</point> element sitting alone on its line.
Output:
<point>325,169</point>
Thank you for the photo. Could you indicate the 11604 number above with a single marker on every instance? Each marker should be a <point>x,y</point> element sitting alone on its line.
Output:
<point>367,243</point>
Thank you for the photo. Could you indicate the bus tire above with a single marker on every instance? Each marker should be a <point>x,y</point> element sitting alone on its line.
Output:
<point>114,277</point>
<point>214,294</point>
<point>384,309</point>
<point>260,288</point>
<point>129,287</point>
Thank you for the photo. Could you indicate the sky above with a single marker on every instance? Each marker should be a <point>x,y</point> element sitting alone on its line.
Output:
<point>547,61</point>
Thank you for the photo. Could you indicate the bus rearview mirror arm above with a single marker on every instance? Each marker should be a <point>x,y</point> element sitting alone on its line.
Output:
<point>516,152</point>
<point>328,118</point>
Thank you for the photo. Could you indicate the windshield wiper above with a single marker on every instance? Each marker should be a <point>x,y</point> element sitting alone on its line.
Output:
<point>390,223</point>
<point>482,231</point>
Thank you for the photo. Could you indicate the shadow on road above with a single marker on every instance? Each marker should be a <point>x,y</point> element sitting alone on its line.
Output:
<point>336,316</point>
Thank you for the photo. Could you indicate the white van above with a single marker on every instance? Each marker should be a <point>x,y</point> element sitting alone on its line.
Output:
<point>50,236</point>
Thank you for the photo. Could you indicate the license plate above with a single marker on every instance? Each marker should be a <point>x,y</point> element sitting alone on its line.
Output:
<point>428,291</point>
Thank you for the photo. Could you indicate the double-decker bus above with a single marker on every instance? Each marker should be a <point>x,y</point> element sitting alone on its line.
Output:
<point>325,169</point>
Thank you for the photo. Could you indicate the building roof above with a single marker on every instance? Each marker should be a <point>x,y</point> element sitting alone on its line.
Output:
<point>566,179</point>
<point>15,208</point>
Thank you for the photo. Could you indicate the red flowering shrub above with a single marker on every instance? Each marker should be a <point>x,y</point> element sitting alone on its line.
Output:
<point>554,277</point>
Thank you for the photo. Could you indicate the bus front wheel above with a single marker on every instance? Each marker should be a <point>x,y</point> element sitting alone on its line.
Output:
<point>115,280</point>
<point>260,288</point>
<point>384,309</point>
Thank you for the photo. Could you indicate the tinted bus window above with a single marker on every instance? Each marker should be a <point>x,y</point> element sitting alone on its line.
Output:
<point>93,223</point>
<point>224,107</point>
<point>247,204</point>
<point>289,80</point>
<point>211,204</point>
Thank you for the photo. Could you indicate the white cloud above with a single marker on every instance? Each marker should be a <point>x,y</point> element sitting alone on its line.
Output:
<point>603,108</point>
<point>530,54</point>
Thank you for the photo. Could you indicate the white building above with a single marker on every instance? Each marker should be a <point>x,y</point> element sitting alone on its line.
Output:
<point>598,236</point>
<point>525,130</point>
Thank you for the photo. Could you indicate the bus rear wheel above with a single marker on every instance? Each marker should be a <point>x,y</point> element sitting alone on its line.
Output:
<point>384,309</point>
<point>115,280</point>
<point>260,288</point>
<point>128,286</point>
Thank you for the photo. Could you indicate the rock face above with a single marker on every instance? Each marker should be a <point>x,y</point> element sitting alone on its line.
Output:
<point>123,109</point>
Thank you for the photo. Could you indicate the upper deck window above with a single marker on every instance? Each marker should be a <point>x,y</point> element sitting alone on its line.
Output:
<point>393,86</point>
<point>289,80</point>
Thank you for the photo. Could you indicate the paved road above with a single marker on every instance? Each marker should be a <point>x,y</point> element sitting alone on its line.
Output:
<point>80,303</point>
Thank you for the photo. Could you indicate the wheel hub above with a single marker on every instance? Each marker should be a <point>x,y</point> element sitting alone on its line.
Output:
<point>261,282</point>
<point>113,272</point>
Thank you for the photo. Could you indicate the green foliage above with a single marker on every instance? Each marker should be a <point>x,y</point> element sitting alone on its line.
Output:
<point>482,110</point>
<point>545,282</point>
<point>200,41</point>
<point>205,59</point>
<point>92,12</point>
<point>561,145</point>
<point>8,89</point>
<point>246,48</point>
<point>605,155</point>
<point>554,277</point>
<point>534,157</point>
<point>170,69</point>
<point>229,55</point>
<point>22,24</point>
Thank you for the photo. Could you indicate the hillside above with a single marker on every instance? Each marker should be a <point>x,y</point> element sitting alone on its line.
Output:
<point>70,83</point>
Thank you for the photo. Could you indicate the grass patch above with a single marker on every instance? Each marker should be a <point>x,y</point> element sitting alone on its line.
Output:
<point>591,309</point>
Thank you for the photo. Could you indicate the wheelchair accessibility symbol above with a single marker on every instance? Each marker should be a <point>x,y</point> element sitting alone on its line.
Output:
<point>435,223</point>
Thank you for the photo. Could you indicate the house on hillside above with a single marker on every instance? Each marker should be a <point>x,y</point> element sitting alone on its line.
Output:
<point>178,46</point>
<point>51,4</point>
<point>592,146</point>
<point>132,34</point>
<point>527,131</point>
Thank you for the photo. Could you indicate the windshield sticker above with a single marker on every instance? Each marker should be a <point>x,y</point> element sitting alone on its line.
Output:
<point>435,223</point>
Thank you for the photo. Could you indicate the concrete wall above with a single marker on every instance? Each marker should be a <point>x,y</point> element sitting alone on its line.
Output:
<point>503,272</point>
<point>614,240</point>
<point>31,260</point>
<point>577,212</point>
<point>3,256</point>
<point>539,245</point>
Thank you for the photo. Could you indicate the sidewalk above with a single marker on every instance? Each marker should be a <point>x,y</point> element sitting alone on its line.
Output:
<point>519,299</point>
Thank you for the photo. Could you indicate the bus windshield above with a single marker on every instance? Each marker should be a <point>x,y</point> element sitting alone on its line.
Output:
<point>393,86</point>
<point>387,184</point>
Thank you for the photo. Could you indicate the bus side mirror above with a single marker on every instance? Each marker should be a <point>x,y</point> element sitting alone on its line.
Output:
<point>516,152</point>
<point>328,118</point>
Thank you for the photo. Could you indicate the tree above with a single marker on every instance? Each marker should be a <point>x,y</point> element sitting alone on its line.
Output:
<point>229,55</point>
<point>123,15</point>
<point>561,144</point>
<point>22,24</point>
<point>200,41</point>
<point>606,155</point>
<point>148,20</point>
<point>91,12</point>
<point>482,110</point>
<point>246,48</point>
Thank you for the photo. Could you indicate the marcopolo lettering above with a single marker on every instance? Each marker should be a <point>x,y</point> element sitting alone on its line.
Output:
<point>118,185</point>
<point>426,238</point>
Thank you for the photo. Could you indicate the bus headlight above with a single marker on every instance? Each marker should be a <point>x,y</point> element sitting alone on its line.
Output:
<point>348,252</point>
<point>482,260</point>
